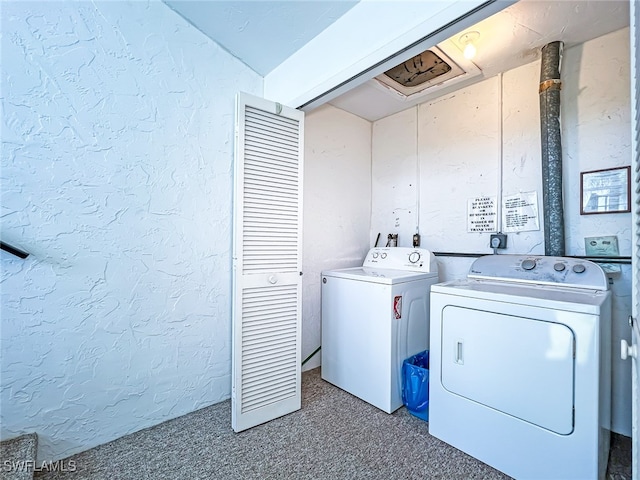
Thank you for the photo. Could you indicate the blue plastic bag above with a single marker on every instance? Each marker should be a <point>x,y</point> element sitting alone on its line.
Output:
<point>415,385</point>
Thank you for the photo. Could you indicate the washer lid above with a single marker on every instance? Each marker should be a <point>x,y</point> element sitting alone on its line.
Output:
<point>379,275</point>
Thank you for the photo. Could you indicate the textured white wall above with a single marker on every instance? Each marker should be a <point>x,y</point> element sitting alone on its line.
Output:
<point>459,151</point>
<point>596,134</point>
<point>521,148</point>
<point>117,144</point>
<point>468,140</point>
<point>337,207</point>
<point>458,139</point>
<point>394,157</point>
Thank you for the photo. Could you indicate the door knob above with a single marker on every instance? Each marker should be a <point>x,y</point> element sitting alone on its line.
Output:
<point>627,350</point>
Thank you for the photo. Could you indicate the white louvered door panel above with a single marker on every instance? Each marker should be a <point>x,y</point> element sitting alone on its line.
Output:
<point>267,282</point>
<point>635,148</point>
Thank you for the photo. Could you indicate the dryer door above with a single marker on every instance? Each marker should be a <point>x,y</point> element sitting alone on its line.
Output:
<point>519,366</point>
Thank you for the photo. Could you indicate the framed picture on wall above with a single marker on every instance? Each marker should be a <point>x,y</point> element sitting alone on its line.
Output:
<point>605,191</point>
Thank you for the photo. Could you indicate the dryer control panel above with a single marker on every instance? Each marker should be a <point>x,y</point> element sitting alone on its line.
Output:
<point>543,270</point>
<point>401,258</point>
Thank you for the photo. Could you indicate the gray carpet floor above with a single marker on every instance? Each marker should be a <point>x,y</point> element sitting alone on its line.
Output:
<point>333,436</point>
<point>15,451</point>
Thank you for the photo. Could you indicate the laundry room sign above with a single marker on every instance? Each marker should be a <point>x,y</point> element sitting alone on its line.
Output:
<point>482,214</point>
<point>520,212</point>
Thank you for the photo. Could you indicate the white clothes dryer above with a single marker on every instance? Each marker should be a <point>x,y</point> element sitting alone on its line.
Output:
<point>374,317</point>
<point>520,372</point>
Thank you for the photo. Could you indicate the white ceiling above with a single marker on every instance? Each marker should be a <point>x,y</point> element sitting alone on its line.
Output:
<point>508,39</point>
<point>262,33</point>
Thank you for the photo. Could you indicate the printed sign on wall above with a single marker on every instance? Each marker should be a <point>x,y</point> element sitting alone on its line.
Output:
<point>482,214</point>
<point>520,212</point>
<point>603,247</point>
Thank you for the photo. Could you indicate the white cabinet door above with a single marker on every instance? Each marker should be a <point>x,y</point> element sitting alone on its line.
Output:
<point>267,262</point>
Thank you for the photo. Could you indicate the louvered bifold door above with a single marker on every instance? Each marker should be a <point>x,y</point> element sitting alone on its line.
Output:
<point>267,262</point>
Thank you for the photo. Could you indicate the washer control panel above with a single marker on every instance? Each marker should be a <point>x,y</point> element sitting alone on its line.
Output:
<point>568,272</point>
<point>401,258</point>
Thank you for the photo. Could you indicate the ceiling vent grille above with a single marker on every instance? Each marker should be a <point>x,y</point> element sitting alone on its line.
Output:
<point>419,69</point>
<point>427,72</point>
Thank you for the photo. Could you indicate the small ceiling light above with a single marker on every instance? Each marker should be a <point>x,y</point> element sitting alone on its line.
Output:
<point>468,42</point>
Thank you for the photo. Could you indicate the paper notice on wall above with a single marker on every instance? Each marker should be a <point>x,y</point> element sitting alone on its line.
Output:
<point>520,212</point>
<point>482,214</point>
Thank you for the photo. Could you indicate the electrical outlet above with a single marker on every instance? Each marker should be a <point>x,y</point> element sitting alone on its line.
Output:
<point>498,240</point>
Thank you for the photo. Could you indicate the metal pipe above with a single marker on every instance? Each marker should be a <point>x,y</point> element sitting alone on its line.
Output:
<point>13,250</point>
<point>550,85</point>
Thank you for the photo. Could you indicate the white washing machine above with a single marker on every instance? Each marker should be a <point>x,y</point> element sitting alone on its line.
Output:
<point>373,317</point>
<point>520,366</point>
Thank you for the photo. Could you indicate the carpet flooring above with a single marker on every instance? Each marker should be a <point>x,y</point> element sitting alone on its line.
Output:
<point>333,436</point>
<point>18,457</point>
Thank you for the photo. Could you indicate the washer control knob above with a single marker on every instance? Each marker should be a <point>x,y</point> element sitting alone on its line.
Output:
<point>559,267</point>
<point>374,254</point>
<point>383,255</point>
<point>414,257</point>
<point>578,268</point>
<point>528,264</point>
